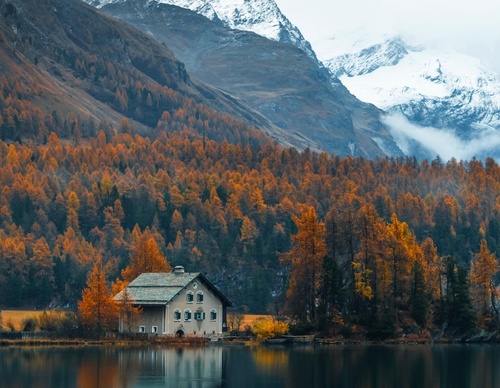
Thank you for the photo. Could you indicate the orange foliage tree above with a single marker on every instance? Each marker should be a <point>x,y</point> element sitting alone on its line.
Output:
<point>146,256</point>
<point>482,272</point>
<point>97,308</point>
<point>306,259</point>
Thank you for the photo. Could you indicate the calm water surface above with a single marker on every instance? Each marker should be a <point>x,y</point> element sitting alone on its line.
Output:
<point>223,366</point>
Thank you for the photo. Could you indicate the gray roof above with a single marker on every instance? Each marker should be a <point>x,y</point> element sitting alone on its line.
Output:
<point>161,288</point>
<point>169,279</point>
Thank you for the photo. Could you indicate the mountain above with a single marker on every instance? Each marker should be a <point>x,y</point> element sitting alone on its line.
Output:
<point>442,89</point>
<point>278,80</point>
<point>66,65</point>
<point>260,16</point>
<point>427,94</point>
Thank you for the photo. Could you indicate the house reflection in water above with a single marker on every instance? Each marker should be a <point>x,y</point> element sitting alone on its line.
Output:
<point>174,366</point>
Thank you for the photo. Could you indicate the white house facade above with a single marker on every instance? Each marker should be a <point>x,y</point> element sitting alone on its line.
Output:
<point>177,303</point>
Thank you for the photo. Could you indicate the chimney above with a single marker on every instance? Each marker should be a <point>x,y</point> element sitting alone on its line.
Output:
<point>179,269</point>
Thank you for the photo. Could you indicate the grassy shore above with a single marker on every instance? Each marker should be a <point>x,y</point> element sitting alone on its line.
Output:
<point>16,317</point>
<point>160,340</point>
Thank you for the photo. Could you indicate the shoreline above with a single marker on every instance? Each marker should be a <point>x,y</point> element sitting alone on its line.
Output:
<point>202,342</point>
<point>80,342</point>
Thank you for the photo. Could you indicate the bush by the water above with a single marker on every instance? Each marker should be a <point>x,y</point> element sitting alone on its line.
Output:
<point>266,328</point>
<point>61,323</point>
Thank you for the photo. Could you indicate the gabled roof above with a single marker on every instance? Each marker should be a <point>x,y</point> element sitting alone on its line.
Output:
<point>161,288</point>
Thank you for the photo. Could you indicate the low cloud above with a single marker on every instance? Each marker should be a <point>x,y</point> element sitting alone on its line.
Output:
<point>429,142</point>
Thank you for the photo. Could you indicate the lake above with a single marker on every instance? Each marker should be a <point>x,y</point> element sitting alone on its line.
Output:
<point>355,366</point>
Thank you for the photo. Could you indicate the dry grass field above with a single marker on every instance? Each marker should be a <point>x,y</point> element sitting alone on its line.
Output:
<point>16,317</point>
<point>249,319</point>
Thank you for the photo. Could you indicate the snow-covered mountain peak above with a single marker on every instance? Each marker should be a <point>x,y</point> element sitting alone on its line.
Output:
<point>368,59</point>
<point>260,16</point>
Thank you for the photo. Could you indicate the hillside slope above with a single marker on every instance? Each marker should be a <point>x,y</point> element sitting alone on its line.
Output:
<point>64,61</point>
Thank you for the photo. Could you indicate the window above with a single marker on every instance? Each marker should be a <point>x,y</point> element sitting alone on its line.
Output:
<point>189,297</point>
<point>213,315</point>
<point>199,316</point>
<point>199,297</point>
<point>154,329</point>
<point>177,315</point>
<point>142,329</point>
<point>187,315</point>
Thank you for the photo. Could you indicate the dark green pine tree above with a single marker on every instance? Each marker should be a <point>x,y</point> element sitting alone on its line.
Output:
<point>461,318</point>
<point>419,296</point>
<point>333,293</point>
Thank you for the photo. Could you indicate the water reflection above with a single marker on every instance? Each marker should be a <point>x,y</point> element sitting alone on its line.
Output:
<point>221,366</point>
<point>98,369</point>
<point>370,366</point>
<point>107,367</point>
<point>183,367</point>
<point>270,360</point>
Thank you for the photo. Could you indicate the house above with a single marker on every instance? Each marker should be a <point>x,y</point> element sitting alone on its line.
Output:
<point>178,302</point>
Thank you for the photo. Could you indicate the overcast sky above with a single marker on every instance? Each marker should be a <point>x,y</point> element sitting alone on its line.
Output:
<point>472,26</point>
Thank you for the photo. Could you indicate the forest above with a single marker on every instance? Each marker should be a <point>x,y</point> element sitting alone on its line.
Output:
<point>316,236</point>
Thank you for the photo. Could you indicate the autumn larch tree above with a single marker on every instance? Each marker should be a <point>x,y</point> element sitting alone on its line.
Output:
<point>129,314</point>
<point>146,257</point>
<point>432,265</point>
<point>482,272</point>
<point>306,258</point>
<point>402,252</point>
<point>97,308</point>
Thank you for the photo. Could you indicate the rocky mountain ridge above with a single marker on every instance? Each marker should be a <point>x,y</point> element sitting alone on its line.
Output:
<point>260,16</point>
